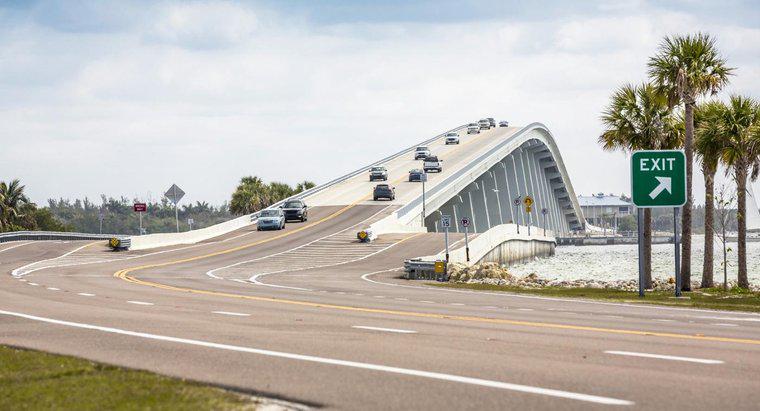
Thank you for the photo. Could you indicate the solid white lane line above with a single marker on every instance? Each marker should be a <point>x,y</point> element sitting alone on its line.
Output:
<point>255,280</point>
<point>726,324</point>
<point>86,294</point>
<point>139,302</point>
<point>15,246</point>
<point>731,318</point>
<point>231,313</point>
<point>53,289</point>
<point>343,363</point>
<point>664,357</point>
<point>390,330</point>
<point>427,302</point>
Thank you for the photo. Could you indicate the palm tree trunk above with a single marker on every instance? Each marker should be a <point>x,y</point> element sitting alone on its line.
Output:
<point>647,248</point>
<point>741,195</point>
<point>686,219</point>
<point>707,267</point>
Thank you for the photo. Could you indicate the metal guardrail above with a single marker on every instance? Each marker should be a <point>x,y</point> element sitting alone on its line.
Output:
<point>417,269</point>
<point>52,235</point>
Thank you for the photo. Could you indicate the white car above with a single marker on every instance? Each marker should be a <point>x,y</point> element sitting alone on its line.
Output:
<point>484,124</point>
<point>473,130</point>
<point>452,138</point>
<point>421,152</point>
<point>432,163</point>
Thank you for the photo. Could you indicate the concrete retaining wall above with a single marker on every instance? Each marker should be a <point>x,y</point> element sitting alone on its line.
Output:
<point>142,242</point>
<point>502,244</point>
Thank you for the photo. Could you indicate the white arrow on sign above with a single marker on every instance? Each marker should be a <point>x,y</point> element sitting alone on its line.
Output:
<point>664,185</point>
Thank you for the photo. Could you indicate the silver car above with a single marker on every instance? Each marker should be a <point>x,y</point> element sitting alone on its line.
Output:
<point>484,124</point>
<point>271,219</point>
<point>421,152</point>
<point>452,139</point>
<point>378,173</point>
<point>473,130</point>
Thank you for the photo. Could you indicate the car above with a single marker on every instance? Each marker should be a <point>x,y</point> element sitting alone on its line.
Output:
<point>421,152</point>
<point>452,138</point>
<point>491,121</point>
<point>503,123</point>
<point>295,210</point>
<point>432,163</point>
<point>473,130</point>
<point>271,218</point>
<point>484,124</point>
<point>472,125</point>
<point>384,191</point>
<point>416,174</point>
<point>378,173</point>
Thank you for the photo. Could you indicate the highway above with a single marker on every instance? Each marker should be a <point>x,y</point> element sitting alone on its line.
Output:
<point>309,316</point>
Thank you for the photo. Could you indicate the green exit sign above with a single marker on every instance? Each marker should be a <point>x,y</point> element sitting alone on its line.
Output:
<point>658,178</point>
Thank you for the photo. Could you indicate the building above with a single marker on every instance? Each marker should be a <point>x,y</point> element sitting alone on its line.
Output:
<point>604,209</point>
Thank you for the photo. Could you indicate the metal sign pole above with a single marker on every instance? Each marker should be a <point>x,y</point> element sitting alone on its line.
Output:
<point>678,251</point>
<point>446,237</point>
<point>176,215</point>
<point>141,230</point>
<point>466,243</point>
<point>423,201</point>
<point>640,220</point>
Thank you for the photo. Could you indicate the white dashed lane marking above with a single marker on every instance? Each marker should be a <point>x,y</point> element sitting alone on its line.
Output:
<point>390,330</point>
<point>664,357</point>
<point>139,302</point>
<point>53,289</point>
<point>231,313</point>
<point>86,294</point>
<point>725,325</point>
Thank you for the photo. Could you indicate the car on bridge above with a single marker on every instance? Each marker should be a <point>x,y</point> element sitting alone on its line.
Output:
<point>503,123</point>
<point>384,191</point>
<point>491,121</point>
<point>452,138</point>
<point>421,152</point>
<point>378,173</point>
<point>295,210</point>
<point>474,129</point>
<point>271,219</point>
<point>416,174</point>
<point>432,163</point>
<point>484,124</point>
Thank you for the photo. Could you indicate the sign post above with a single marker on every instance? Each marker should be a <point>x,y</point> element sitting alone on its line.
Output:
<point>528,201</point>
<point>517,202</point>
<point>544,211</point>
<point>140,208</point>
<point>446,223</point>
<point>190,222</point>
<point>466,224</point>
<point>658,179</point>
<point>174,194</point>
<point>423,178</point>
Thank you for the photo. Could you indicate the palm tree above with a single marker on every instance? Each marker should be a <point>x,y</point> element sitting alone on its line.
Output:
<point>12,202</point>
<point>684,68</point>
<point>741,127</point>
<point>250,196</point>
<point>709,144</point>
<point>639,118</point>
<point>304,185</point>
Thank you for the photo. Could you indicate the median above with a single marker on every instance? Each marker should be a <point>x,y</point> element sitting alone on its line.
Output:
<point>493,277</point>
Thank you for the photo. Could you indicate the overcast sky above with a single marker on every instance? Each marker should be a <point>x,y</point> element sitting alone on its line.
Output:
<point>126,98</point>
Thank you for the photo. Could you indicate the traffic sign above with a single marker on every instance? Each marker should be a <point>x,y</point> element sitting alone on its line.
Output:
<point>174,194</point>
<point>140,207</point>
<point>445,221</point>
<point>465,222</point>
<point>528,201</point>
<point>658,178</point>
<point>517,201</point>
<point>544,211</point>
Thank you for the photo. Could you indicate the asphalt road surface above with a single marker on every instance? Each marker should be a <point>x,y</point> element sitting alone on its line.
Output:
<point>310,316</point>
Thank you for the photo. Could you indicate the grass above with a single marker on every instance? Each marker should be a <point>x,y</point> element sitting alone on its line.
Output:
<point>710,298</point>
<point>31,380</point>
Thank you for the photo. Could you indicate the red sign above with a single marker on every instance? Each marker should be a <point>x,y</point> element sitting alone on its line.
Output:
<point>140,207</point>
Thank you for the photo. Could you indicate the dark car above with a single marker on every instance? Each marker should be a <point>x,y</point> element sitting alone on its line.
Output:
<point>491,121</point>
<point>416,174</point>
<point>295,210</point>
<point>384,191</point>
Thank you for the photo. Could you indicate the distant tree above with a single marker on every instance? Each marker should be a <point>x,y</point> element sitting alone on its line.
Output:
<point>723,203</point>
<point>304,185</point>
<point>251,195</point>
<point>684,68</point>
<point>13,203</point>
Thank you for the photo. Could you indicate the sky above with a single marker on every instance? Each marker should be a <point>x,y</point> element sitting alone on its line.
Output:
<point>126,98</point>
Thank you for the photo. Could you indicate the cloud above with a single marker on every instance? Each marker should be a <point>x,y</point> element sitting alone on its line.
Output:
<point>202,93</point>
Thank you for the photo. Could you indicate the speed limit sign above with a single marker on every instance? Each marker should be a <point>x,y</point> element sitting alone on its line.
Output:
<point>445,221</point>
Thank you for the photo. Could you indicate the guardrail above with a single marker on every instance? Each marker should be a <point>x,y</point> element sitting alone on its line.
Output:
<point>52,235</point>
<point>417,269</point>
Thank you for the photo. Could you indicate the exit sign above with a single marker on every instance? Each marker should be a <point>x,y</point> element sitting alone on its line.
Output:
<point>658,178</point>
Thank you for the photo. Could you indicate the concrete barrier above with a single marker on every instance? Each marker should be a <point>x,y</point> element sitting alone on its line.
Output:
<point>143,242</point>
<point>502,244</point>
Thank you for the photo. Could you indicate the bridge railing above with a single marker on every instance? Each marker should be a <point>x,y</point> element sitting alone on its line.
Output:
<point>52,235</point>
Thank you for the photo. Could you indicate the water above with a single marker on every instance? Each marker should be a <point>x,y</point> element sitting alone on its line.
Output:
<point>620,262</point>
